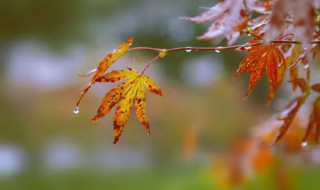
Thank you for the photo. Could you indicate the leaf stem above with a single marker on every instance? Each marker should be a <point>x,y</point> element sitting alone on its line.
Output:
<point>150,63</point>
<point>145,48</point>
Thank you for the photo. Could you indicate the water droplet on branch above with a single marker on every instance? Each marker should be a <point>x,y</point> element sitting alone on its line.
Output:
<point>218,51</point>
<point>188,50</point>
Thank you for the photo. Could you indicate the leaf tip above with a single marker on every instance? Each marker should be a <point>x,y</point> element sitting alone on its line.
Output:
<point>234,75</point>
<point>116,139</point>
<point>147,126</point>
<point>94,119</point>
<point>246,96</point>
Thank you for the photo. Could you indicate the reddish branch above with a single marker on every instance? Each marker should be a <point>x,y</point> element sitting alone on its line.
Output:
<point>217,49</point>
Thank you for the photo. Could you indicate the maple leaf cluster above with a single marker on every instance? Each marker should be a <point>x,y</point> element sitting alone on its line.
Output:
<point>285,38</point>
<point>133,90</point>
<point>252,156</point>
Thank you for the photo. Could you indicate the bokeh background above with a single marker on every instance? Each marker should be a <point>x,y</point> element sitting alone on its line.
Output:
<point>44,145</point>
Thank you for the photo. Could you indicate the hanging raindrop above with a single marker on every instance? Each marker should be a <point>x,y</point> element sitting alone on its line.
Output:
<point>218,51</point>
<point>304,144</point>
<point>76,110</point>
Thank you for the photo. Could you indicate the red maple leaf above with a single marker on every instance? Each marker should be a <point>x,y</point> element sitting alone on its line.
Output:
<point>263,59</point>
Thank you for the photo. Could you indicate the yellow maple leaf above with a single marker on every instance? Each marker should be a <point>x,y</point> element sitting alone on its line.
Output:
<point>133,90</point>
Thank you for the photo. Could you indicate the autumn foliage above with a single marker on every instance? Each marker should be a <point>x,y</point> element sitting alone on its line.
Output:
<point>133,90</point>
<point>284,37</point>
<point>264,59</point>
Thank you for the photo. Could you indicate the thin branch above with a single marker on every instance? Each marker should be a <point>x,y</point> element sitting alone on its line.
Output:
<point>217,49</point>
<point>145,48</point>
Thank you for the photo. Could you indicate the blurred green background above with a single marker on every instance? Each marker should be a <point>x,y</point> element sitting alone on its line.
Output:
<point>43,145</point>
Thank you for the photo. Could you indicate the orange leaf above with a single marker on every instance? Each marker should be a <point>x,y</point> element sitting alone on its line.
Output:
<point>104,65</point>
<point>111,58</point>
<point>275,73</point>
<point>110,100</point>
<point>264,58</point>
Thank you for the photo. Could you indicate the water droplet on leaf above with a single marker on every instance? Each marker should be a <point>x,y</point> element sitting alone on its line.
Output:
<point>304,144</point>
<point>116,50</point>
<point>76,110</point>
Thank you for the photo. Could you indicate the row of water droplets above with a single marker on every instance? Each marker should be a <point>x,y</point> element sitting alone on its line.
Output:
<point>189,49</point>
